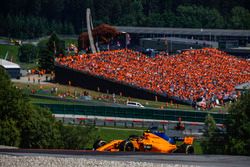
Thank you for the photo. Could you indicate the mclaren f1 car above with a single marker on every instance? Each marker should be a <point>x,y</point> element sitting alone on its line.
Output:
<point>152,140</point>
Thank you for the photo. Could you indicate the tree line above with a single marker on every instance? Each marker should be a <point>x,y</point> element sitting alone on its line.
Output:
<point>27,126</point>
<point>32,18</point>
<point>44,53</point>
<point>24,27</point>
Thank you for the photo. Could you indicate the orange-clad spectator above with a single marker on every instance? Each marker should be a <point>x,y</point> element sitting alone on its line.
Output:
<point>207,73</point>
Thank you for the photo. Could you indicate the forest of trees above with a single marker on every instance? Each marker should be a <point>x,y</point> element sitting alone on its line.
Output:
<point>34,18</point>
<point>28,126</point>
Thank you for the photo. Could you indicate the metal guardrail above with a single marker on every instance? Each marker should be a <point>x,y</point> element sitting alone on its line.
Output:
<point>130,112</point>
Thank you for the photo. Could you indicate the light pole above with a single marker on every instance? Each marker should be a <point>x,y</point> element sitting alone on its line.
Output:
<point>201,34</point>
<point>125,33</point>
<point>210,35</point>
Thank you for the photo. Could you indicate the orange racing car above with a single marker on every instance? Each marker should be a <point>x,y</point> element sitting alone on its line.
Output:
<point>151,141</point>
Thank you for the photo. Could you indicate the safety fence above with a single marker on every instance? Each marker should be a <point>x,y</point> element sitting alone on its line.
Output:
<point>130,112</point>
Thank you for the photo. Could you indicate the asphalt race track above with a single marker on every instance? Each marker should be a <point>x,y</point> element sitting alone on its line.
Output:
<point>180,159</point>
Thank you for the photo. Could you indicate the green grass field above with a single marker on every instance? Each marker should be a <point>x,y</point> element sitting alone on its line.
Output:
<point>35,100</point>
<point>12,52</point>
<point>95,95</point>
<point>109,134</point>
<point>70,41</point>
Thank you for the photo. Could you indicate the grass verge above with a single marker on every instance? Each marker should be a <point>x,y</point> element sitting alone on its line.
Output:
<point>35,100</point>
<point>95,95</point>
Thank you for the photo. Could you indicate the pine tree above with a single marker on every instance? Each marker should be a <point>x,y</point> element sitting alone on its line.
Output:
<point>27,53</point>
<point>55,45</point>
<point>46,59</point>
<point>47,54</point>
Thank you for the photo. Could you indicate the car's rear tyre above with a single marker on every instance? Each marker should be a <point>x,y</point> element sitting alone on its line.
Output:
<point>98,144</point>
<point>189,149</point>
<point>128,146</point>
<point>184,148</point>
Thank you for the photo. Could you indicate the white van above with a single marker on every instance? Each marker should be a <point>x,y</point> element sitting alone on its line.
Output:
<point>134,104</point>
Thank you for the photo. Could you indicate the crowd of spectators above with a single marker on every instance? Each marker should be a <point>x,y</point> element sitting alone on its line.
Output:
<point>207,74</point>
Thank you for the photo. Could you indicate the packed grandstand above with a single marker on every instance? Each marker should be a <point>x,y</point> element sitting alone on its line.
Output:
<point>208,74</point>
